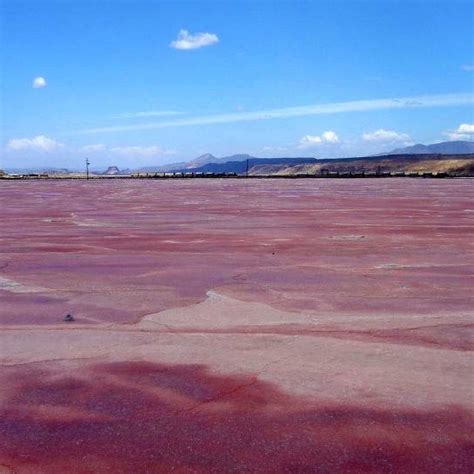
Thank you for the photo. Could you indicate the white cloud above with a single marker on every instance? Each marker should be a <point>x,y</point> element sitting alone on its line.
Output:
<point>443,100</point>
<point>187,41</point>
<point>39,82</point>
<point>385,136</point>
<point>465,131</point>
<point>467,67</point>
<point>38,143</point>
<point>466,128</point>
<point>328,137</point>
<point>42,143</point>
<point>141,151</point>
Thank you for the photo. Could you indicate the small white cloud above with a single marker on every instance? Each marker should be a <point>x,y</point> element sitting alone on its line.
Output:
<point>467,67</point>
<point>466,128</point>
<point>39,82</point>
<point>188,41</point>
<point>141,151</point>
<point>328,137</point>
<point>385,136</point>
<point>38,143</point>
<point>465,131</point>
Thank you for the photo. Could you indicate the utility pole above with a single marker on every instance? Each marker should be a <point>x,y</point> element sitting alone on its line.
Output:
<point>87,168</point>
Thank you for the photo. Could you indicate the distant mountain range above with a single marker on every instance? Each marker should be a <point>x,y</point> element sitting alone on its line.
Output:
<point>195,163</point>
<point>241,166</point>
<point>238,163</point>
<point>443,148</point>
<point>454,165</point>
<point>461,165</point>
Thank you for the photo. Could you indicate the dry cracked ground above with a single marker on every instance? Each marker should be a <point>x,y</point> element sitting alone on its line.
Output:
<point>236,326</point>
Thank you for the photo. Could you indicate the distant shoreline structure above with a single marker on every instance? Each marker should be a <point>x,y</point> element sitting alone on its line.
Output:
<point>385,166</point>
<point>187,176</point>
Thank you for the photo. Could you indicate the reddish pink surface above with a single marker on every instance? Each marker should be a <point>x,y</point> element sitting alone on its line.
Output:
<point>155,418</point>
<point>115,251</point>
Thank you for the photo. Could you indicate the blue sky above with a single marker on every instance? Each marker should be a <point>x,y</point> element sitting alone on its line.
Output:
<point>137,83</point>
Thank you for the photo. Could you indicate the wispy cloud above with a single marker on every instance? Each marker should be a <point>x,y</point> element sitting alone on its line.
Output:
<point>186,40</point>
<point>149,113</point>
<point>467,67</point>
<point>442,100</point>
<point>385,136</point>
<point>38,143</point>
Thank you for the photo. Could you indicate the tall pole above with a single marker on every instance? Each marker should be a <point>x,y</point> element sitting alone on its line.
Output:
<point>87,168</point>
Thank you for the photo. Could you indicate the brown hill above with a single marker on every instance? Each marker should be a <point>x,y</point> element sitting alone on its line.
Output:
<point>458,165</point>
